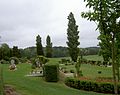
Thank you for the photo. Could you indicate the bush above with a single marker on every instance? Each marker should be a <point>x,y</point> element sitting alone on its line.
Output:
<point>90,85</point>
<point>4,62</point>
<point>64,61</point>
<point>15,59</point>
<point>51,72</point>
<point>43,59</point>
<point>99,72</point>
<point>23,60</point>
<point>72,71</point>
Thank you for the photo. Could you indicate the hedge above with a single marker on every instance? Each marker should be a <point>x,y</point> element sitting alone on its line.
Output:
<point>15,59</point>
<point>1,81</point>
<point>4,62</point>
<point>91,85</point>
<point>51,72</point>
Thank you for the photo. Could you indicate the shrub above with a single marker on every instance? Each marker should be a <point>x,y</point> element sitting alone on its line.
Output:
<point>66,64</point>
<point>43,59</point>
<point>23,60</point>
<point>68,60</point>
<point>51,72</point>
<point>105,63</point>
<point>60,62</point>
<point>99,72</point>
<point>4,62</point>
<point>15,59</point>
<point>90,85</point>
<point>64,61</point>
<point>72,71</point>
<point>99,63</point>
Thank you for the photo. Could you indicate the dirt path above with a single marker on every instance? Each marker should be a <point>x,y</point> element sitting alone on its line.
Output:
<point>9,90</point>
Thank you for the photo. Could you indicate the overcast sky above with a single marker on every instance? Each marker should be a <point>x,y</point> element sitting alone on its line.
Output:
<point>22,20</point>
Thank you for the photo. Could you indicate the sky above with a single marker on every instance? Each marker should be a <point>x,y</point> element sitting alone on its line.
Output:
<point>22,20</point>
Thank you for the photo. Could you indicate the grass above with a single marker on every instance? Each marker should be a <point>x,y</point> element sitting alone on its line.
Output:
<point>37,86</point>
<point>1,80</point>
<point>92,71</point>
<point>89,70</point>
<point>94,57</point>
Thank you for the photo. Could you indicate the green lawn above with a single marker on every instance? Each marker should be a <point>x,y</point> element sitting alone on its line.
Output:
<point>93,57</point>
<point>89,57</point>
<point>89,70</point>
<point>36,85</point>
<point>92,71</point>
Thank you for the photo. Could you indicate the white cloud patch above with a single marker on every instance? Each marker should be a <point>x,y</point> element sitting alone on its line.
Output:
<point>22,20</point>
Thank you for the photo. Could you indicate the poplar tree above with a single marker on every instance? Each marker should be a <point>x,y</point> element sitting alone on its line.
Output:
<point>72,36</point>
<point>39,46</point>
<point>48,47</point>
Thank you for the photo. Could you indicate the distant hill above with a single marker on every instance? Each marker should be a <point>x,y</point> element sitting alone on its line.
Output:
<point>59,51</point>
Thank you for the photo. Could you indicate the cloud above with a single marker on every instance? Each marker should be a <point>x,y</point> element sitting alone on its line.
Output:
<point>22,20</point>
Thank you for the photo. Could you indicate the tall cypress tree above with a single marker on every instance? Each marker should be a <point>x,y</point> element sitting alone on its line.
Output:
<point>48,47</point>
<point>39,46</point>
<point>73,37</point>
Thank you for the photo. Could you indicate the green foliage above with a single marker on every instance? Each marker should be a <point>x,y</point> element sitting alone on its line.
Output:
<point>29,52</point>
<point>64,61</point>
<point>34,65</point>
<point>106,13</point>
<point>23,60</point>
<point>73,37</point>
<point>51,72</point>
<point>4,62</point>
<point>15,59</point>
<point>60,51</point>
<point>43,59</point>
<point>16,52</point>
<point>39,46</point>
<point>48,47</point>
<point>100,87</point>
<point>4,52</point>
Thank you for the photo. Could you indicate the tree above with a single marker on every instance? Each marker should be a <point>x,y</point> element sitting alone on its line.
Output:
<point>106,13</point>
<point>39,46</point>
<point>73,37</point>
<point>29,52</point>
<point>4,52</point>
<point>16,52</point>
<point>48,47</point>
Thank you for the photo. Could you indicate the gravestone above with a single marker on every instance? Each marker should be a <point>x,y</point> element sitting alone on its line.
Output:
<point>12,66</point>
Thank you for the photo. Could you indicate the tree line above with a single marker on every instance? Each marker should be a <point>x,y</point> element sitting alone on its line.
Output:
<point>57,51</point>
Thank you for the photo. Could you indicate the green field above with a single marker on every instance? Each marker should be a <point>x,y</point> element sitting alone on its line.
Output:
<point>93,57</point>
<point>92,71</point>
<point>37,86</point>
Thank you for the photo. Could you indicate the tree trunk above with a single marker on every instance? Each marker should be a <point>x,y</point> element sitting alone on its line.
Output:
<point>118,74</point>
<point>114,67</point>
